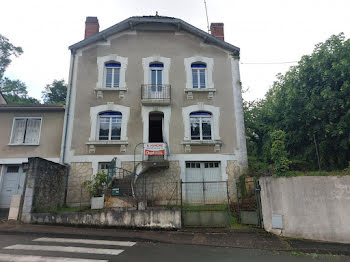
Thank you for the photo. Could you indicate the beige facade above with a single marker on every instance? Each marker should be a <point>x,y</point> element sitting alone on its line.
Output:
<point>50,133</point>
<point>26,131</point>
<point>135,44</point>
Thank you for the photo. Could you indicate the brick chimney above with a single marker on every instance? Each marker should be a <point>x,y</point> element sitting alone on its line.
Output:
<point>91,26</point>
<point>217,30</point>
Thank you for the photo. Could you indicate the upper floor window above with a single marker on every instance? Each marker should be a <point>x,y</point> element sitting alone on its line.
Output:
<point>156,75</point>
<point>201,124</point>
<point>26,131</point>
<point>110,126</point>
<point>198,75</point>
<point>112,75</point>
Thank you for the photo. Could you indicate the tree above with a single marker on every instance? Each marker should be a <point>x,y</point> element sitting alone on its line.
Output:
<point>278,152</point>
<point>55,93</point>
<point>6,51</point>
<point>15,92</point>
<point>311,104</point>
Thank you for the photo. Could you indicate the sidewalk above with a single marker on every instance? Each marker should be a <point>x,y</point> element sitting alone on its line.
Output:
<point>247,238</point>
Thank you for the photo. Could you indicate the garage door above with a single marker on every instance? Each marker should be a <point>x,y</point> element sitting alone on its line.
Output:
<point>204,183</point>
<point>12,184</point>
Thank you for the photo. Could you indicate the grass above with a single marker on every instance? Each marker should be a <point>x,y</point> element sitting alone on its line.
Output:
<point>220,207</point>
<point>234,224</point>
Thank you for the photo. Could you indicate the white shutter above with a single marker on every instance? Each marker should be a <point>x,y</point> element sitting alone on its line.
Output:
<point>33,131</point>
<point>18,131</point>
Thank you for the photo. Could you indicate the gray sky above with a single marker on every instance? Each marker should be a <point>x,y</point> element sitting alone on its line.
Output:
<point>269,31</point>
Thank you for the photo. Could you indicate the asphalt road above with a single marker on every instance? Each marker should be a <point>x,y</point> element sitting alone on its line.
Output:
<point>58,248</point>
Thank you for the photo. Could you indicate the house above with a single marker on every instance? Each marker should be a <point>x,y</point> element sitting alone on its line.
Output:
<point>162,97</point>
<point>26,131</point>
<point>2,99</point>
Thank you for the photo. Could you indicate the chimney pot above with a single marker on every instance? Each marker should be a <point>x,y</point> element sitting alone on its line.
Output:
<point>217,30</point>
<point>91,26</point>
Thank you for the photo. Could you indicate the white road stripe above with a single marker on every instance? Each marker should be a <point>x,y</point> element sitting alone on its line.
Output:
<point>86,241</point>
<point>24,258</point>
<point>87,250</point>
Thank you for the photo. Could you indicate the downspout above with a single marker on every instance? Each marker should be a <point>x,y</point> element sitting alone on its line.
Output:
<point>66,126</point>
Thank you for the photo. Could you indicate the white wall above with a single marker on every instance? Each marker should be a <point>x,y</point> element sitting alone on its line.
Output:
<point>316,207</point>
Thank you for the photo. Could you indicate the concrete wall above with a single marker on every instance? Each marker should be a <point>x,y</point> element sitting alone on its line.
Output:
<point>311,207</point>
<point>135,218</point>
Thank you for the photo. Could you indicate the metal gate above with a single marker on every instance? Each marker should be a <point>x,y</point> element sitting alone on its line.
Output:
<point>204,197</point>
<point>248,206</point>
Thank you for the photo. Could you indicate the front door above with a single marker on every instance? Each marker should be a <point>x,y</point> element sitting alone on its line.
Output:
<point>12,184</point>
<point>155,128</point>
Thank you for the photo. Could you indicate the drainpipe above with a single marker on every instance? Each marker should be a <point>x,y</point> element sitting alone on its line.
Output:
<point>66,125</point>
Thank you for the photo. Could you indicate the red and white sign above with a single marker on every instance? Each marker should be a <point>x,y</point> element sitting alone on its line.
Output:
<point>154,149</point>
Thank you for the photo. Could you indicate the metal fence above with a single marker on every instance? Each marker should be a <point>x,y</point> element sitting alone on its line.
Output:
<point>205,193</point>
<point>159,92</point>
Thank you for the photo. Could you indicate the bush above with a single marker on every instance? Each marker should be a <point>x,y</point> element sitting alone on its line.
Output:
<point>96,185</point>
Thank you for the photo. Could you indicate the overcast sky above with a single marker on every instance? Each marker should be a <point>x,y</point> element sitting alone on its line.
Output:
<point>269,31</point>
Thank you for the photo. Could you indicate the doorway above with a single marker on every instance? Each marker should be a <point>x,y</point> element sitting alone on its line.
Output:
<point>12,184</point>
<point>155,134</point>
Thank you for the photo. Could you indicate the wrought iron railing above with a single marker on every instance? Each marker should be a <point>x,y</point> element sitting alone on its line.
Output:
<point>156,92</point>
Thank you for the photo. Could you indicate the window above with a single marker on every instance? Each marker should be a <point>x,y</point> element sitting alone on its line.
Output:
<point>103,166</point>
<point>198,75</point>
<point>26,131</point>
<point>112,75</point>
<point>156,76</point>
<point>200,124</point>
<point>110,126</point>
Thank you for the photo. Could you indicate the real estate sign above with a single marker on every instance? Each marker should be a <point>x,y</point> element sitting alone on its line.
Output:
<point>154,149</point>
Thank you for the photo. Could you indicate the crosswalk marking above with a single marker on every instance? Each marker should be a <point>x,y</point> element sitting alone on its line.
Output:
<point>87,250</point>
<point>86,241</point>
<point>26,258</point>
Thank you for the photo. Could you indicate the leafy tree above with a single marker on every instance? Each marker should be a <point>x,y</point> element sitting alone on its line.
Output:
<point>55,93</point>
<point>279,153</point>
<point>6,51</point>
<point>311,103</point>
<point>15,92</point>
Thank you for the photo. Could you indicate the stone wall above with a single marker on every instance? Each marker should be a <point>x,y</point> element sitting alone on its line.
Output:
<point>45,186</point>
<point>161,184</point>
<point>78,174</point>
<point>233,172</point>
<point>316,207</point>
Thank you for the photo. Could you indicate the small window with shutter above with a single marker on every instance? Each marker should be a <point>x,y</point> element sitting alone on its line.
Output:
<point>26,131</point>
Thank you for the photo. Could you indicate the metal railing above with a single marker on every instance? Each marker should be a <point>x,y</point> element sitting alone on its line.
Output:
<point>156,92</point>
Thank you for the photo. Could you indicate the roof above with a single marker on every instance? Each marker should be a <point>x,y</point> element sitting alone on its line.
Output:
<point>136,20</point>
<point>32,107</point>
<point>1,95</point>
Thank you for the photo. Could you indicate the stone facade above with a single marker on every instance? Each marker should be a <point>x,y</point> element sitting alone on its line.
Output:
<point>79,173</point>
<point>160,185</point>
<point>233,172</point>
<point>45,186</point>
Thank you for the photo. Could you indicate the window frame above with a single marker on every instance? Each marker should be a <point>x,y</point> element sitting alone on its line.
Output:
<point>117,116</point>
<point>198,69</point>
<point>113,74</point>
<point>209,84</point>
<point>95,125</point>
<point>200,117</point>
<point>23,143</point>
<point>215,123</point>
<point>112,58</point>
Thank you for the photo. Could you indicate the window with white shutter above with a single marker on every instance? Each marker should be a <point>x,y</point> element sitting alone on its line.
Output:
<point>26,131</point>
